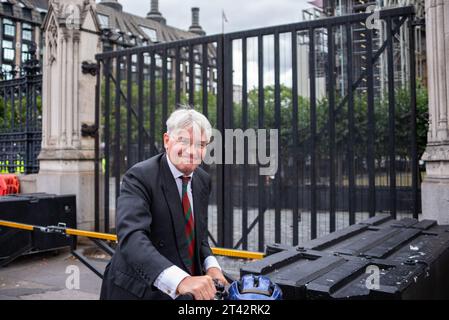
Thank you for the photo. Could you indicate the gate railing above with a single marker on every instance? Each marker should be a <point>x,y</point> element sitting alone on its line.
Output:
<point>333,89</point>
<point>20,120</point>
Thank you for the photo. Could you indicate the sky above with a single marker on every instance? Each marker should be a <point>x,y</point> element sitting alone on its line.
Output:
<point>241,14</point>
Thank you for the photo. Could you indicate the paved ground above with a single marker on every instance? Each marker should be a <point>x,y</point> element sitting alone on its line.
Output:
<point>42,276</point>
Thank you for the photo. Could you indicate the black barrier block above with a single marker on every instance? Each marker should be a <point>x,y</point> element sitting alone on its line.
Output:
<point>375,259</point>
<point>36,209</point>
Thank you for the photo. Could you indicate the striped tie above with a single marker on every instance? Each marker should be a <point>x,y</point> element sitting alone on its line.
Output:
<point>189,227</point>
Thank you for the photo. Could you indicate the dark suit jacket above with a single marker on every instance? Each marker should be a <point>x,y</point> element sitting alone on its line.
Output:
<point>150,229</point>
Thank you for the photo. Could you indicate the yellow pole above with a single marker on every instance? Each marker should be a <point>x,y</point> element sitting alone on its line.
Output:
<point>91,234</point>
<point>16,225</point>
<point>112,237</point>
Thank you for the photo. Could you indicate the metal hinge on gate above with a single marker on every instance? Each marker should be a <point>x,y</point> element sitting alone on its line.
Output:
<point>89,67</point>
<point>88,130</point>
<point>419,22</point>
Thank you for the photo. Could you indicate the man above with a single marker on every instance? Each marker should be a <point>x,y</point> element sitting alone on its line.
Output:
<point>163,251</point>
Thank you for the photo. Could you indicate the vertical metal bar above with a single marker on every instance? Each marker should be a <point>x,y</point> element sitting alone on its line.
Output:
<point>391,118</point>
<point>117,119</point>
<point>22,126</point>
<point>165,90</point>
<point>107,107</point>
<point>2,155</point>
<point>4,96</point>
<point>313,133</point>
<point>228,117</point>
<point>140,84</point>
<point>97,150</point>
<point>191,76</point>
<point>261,182</point>
<point>295,185</point>
<point>153,150</point>
<point>28,164</point>
<point>5,99</point>
<point>177,75</point>
<point>220,126</point>
<point>35,123</point>
<point>332,155</point>
<point>34,102</point>
<point>20,106</point>
<point>4,109</point>
<point>277,123</point>
<point>204,81</point>
<point>246,150</point>
<point>350,162</point>
<point>371,125</point>
<point>13,106</point>
<point>129,96</point>
<point>414,147</point>
<point>9,103</point>
<point>13,102</point>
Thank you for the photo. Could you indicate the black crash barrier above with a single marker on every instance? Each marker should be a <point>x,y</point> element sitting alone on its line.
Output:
<point>34,208</point>
<point>379,258</point>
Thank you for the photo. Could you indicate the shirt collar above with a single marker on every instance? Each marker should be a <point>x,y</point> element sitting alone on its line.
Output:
<point>174,171</point>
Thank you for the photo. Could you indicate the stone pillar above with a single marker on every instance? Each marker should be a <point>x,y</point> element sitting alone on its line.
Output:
<point>435,187</point>
<point>67,157</point>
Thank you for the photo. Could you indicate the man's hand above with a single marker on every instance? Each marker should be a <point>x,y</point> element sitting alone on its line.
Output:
<point>202,288</point>
<point>216,273</point>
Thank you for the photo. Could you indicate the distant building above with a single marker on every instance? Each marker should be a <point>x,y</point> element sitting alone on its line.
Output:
<point>20,22</point>
<point>323,8</point>
<point>401,43</point>
<point>121,29</point>
<point>312,13</point>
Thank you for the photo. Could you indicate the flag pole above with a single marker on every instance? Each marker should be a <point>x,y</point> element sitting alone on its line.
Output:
<point>222,21</point>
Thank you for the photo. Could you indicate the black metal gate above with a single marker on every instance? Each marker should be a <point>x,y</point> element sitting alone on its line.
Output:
<point>342,97</point>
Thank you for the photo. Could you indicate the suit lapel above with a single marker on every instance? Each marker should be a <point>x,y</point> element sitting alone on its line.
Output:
<point>171,195</point>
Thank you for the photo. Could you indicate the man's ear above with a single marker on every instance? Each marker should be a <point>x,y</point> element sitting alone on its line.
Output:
<point>165,138</point>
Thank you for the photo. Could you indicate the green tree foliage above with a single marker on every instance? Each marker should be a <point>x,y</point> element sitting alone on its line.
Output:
<point>381,119</point>
<point>288,150</point>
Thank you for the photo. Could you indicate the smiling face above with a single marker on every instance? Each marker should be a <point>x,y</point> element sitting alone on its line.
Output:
<point>186,148</point>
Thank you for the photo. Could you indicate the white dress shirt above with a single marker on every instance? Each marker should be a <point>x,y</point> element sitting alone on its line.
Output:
<point>169,279</point>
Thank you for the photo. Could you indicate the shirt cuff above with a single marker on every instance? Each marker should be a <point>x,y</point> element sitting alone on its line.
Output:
<point>210,262</point>
<point>169,279</point>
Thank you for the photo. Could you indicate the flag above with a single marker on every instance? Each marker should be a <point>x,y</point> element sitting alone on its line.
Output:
<point>224,16</point>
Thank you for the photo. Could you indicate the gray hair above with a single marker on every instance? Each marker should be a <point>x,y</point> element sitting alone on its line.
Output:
<point>184,117</point>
